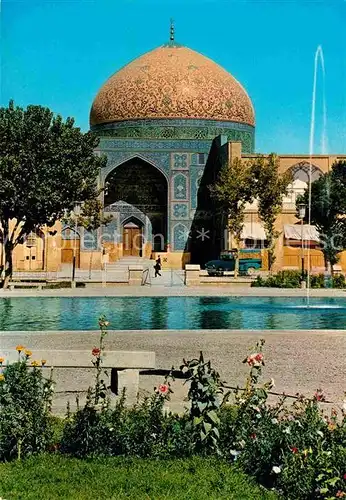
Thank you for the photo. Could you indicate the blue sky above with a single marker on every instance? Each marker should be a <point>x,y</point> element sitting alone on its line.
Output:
<point>58,53</point>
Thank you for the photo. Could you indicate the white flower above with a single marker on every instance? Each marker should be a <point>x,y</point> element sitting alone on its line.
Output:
<point>276,469</point>
<point>235,454</point>
<point>274,420</point>
<point>242,443</point>
<point>287,430</point>
<point>320,433</point>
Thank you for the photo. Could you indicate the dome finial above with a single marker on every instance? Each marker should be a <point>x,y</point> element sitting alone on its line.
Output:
<point>171,36</point>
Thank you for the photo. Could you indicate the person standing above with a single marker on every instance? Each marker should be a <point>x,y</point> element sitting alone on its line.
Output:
<point>157,267</point>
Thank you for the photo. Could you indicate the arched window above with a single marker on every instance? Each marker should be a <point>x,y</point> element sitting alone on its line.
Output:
<point>300,180</point>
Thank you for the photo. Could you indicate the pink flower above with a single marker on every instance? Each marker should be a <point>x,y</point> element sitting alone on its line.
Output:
<point>255,359</point>
<point>163,388</point>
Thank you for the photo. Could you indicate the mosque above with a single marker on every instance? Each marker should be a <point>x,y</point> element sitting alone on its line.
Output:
<point>164,121</point>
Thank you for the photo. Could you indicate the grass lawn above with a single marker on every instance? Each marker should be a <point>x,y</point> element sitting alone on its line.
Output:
<point>54,477</point>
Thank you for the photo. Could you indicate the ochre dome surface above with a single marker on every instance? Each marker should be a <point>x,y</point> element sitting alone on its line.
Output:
<point>172,82</point>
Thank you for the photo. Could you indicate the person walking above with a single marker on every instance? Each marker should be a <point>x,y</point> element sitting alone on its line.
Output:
<point>157,267</point>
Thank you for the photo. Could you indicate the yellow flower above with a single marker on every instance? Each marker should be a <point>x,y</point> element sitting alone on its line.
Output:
<point>307,451</point>
<point>20,348</point>
<point>35,363</point>
<point>43,362</point>
<point>2,377</point>
<point>28,353</point>
<point>2,360</point>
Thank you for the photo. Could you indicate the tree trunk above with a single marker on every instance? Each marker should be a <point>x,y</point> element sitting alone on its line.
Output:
<point>236,263</point>
<point>8,262</point>
<point>90,263</point>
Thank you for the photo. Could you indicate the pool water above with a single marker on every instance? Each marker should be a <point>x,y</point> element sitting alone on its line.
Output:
<point>140,313</point>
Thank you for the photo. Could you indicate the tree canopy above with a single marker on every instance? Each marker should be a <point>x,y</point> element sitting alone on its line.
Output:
<point>270,186</point>
<point>231,191</point>
<point>328,210</point>
<point>241,183</point>
<point>46,166</point>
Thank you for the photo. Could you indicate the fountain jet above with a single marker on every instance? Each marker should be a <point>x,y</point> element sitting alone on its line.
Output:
<point>318,57</point>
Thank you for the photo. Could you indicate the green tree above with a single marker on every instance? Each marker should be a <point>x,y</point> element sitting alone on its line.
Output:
<point>46,165</point>
<point>328,211</point>
<point>270,189</point>
<point>231,191</point>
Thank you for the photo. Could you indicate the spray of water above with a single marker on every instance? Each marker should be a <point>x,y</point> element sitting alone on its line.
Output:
<point>318,57</point>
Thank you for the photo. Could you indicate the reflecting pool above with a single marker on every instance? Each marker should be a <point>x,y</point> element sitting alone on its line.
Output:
<point>139,313</point>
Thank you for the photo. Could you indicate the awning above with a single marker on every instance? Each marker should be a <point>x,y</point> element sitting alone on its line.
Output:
<point>294,232</point>
<point>253,231</point>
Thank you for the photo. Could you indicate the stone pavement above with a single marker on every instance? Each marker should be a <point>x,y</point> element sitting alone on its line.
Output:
<point>299,361</point>
<point>172,287</point>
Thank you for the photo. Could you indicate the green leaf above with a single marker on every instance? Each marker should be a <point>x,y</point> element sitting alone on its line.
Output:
<point>201,406</point>
<point>213,416</point>
<point>333,481</point>
<point>216,432</point>
<point>203,435</point>
<point>207,427</point>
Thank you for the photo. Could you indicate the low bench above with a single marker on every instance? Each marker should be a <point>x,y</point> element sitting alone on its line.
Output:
<point>26,284</point>
<point>74,373</point>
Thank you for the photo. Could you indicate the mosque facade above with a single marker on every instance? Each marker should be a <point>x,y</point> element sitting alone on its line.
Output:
<point>163,120</point>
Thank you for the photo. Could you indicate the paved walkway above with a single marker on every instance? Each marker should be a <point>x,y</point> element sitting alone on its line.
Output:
<point>299,361</point>
<point>172,285</point>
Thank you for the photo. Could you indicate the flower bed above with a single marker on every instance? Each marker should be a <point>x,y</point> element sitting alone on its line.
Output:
<point>298,450</point>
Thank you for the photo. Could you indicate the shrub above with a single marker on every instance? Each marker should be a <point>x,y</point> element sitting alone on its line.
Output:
<point>293,279</point>
<point>25,400</point>
<point>206,395</point>
<point>283,279</point>
<point>339,281</point>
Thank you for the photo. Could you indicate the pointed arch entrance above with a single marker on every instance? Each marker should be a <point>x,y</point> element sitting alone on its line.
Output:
<point>132,230</point>
<point>136,193</point>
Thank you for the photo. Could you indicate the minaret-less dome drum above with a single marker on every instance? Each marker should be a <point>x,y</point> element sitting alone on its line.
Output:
<point>172,82</point>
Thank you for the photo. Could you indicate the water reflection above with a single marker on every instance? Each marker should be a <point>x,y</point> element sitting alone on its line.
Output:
<point>138,313</point>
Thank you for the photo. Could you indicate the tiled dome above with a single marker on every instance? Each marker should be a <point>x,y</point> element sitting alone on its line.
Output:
<point>172,82</point>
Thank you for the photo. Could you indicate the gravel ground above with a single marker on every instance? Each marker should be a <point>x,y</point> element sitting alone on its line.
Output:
<point>299,361</point>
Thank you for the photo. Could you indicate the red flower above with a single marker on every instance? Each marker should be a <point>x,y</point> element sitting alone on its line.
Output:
<point>96,351</point>
<point>253,436</point>
<point>294,449</point>
<point>163,388</point>
<point>345,477</point>
<point>255,359</point>
<point>319,396</point>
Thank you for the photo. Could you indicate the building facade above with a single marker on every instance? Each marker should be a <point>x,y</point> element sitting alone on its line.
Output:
<point>162,120</point>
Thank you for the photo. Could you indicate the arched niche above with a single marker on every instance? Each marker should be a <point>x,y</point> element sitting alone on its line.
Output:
<point>300,173</point>
<point>138,187</point>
